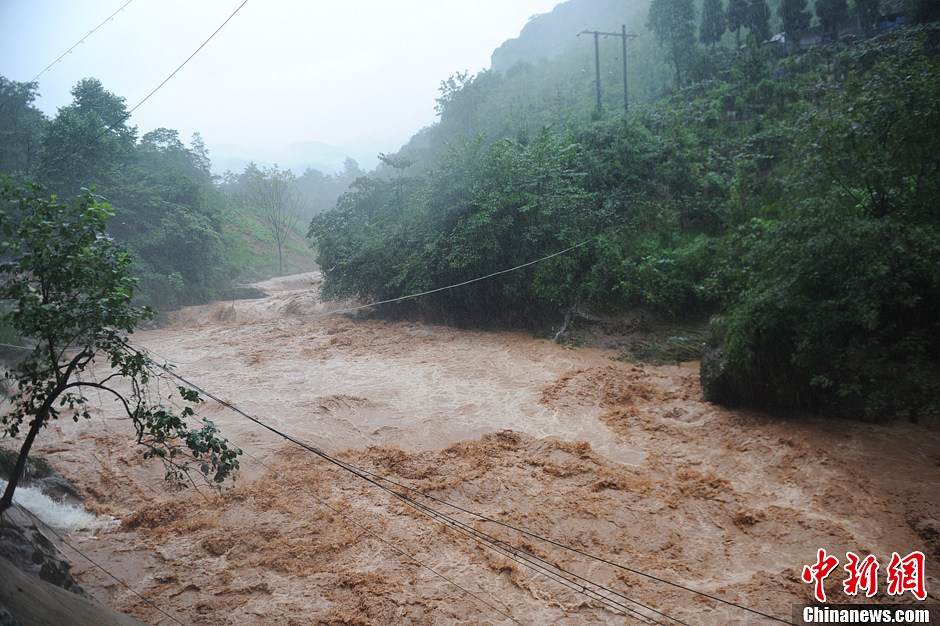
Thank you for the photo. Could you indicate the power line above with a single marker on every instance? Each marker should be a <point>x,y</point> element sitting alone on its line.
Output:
<point>373,478</point>
<point>597,60</point>
<point>365,475</point>
<point>375,535</point>
<point>414,295</point>
<point>183,64</point>
<point>528,559</point>
<point>466,282</point>
<point>82,40</point>
<point>432,498</point>
<point>127,115</point>
<point>10,345</point>
<point>520,555</point>
<point>391,545</point>
<point>568,548</point>
<point>149,602</point>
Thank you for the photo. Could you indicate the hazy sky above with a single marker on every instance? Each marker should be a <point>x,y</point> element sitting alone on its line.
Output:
<point>361,75</point>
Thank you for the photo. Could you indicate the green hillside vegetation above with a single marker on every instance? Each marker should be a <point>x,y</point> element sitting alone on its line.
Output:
<point>783,192</point>
<point>789,195</point>
<point>189,234</point>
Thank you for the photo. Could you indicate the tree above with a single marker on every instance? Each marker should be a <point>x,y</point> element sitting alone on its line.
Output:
<point>714,23</point>
<point>795,19</point>
<point>166,213</point>
<point>351,170</point>
<point>69,290</point>
<point>868,13</point>
<point>673,23</point>
<point>737,17</point>
<point>399,163</point>
<point>833,306</point>
<point>758,19</point>
<point>924,11</point>
<point>20,126</point>
<point>831,13</point>
<point>450,90</point>
<point>274,194</point>
<point>87,143</point>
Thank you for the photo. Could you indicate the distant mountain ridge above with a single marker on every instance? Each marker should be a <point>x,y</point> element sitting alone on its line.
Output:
<point>296,156</point>
<point>548,35</point>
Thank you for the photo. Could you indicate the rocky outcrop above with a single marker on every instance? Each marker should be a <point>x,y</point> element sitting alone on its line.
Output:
<point>27,601</point>
<point>242,292</point>
<point>713,374</point>
<point>36,584</point>
<point>23,543</point>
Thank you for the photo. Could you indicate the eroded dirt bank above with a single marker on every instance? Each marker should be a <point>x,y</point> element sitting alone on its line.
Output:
<point>622,461</point>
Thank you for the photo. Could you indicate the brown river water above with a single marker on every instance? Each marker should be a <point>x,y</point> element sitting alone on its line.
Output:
<point>624,462</point>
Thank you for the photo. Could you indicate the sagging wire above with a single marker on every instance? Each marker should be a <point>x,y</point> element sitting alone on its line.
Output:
<point>29,514</point>
<point>452,522</point>
<point>400,551</point>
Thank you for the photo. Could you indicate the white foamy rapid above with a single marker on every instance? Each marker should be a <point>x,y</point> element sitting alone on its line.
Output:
<point>59,515</point>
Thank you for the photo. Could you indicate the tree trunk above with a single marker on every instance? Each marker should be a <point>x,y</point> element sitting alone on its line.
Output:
<point>34,427</point>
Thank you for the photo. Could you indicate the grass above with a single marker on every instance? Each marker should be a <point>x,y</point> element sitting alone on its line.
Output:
<point>640,336</point>
<point>253,253</point>
<point>673,345</point>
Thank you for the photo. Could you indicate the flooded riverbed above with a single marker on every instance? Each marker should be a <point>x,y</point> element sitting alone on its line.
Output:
<point>625,462</point>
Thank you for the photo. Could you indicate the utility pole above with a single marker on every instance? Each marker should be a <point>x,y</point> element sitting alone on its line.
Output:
<point>597,60</point>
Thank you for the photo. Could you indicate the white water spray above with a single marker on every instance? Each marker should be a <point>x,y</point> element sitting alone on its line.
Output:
<point>59,515</point>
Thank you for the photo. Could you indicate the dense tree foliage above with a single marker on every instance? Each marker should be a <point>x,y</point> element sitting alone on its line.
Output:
<point>868,13</point>
<point>791,196</point>
<point>673,23</point>
<point>714,22</point>
<point>831,14</point>
<point>831,304</point>
<point>20,126</point>
<point>795,17</point>
<point>88,143</point>
<point>758,19</point>
<point>737,17</point>
<point>319,191</point>
<point>484,209</point>
<point>187,237</point>
<point>69,292</point>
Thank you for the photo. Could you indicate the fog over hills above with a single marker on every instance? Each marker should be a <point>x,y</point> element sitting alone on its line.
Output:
<point>297,156</point>
<point>548,35</point>
<point>544,37</point>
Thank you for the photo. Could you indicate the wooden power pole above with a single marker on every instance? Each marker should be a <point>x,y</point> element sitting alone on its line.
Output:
<point>597,61</point>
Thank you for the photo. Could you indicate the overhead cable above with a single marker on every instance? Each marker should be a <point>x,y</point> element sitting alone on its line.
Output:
<point>363,474</point>
<point>588,555</point>
<point>404,553</point>
<point>82,40</point>
<point>374,479</point>
<point>123,118</point>
<point>466,282</point>
<point>413,295</point>
<point>183,64</point>
<point>146,600</point>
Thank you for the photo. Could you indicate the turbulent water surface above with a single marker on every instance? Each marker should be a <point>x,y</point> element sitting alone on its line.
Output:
<point>620,461</point>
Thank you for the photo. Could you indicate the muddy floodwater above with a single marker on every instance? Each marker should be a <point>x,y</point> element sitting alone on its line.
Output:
<point>621,461</point>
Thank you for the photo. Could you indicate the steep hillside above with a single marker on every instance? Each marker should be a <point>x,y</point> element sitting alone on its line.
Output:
<point>549,35</point>
<point>735,195</point>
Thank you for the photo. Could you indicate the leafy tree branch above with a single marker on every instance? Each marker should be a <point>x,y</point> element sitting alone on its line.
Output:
<point>68,288</point>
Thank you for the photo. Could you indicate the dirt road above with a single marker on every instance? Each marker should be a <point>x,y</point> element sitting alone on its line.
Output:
<point>624,462</point>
